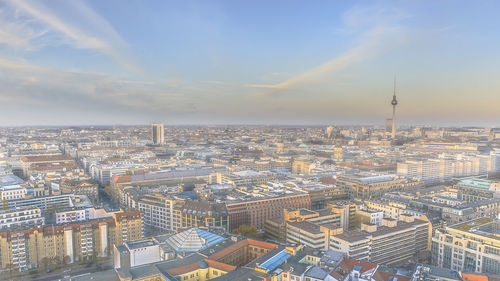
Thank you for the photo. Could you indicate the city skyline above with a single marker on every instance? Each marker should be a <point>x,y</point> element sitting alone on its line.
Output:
<point>281,63</point>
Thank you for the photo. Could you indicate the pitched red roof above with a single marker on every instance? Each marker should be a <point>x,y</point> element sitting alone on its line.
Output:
<point>224,252</point>
<point>46,158</point>
<point>220,265</point>
<point>384,276</point>
<point>50,167</point>
<point>336,275</point>
<point>349,264</point>
<point>120,179</point>
<point>132,215</point>
<point>184,269</point>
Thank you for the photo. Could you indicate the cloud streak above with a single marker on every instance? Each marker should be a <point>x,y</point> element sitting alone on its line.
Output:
<point>378,26</point>
<point>86,29</point>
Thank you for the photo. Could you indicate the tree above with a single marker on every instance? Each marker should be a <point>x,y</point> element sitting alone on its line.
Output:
<point>10,267</point>
<point>54,208</point>
<point>355,223</point>
<point>248,231</point>
<point>107,190</point>
<point>56,260</point>
<point>45,261</point>
<point>66,259</point>
<point>94,256</point>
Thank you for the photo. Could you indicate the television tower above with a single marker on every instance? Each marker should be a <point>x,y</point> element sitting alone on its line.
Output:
<point>394,102</point>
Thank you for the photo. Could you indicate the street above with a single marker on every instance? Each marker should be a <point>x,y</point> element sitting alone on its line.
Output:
<point>60,273</point>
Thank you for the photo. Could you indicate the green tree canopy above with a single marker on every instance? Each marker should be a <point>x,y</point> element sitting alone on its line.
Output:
<point>248,231</point>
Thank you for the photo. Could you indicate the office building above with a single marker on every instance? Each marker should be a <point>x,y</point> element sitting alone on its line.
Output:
<point>51,202</point>
<point>373,186</point>
<point>307,227</point>
<point>393,242</point>
<point>471,246</point>
<point>203,214</point>
<point>256,212</point>
<point>444,169</point>
<point>159,212</point>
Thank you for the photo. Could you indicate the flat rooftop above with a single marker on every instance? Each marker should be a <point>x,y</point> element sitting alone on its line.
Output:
<point>486,227</point>
<point>139,244</point>
<point>306,226</point>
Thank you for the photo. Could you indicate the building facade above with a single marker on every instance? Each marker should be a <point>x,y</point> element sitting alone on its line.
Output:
<point>67,243</point>
<point>471,246</point>
<point>256,212</point>
<point>158,134</point>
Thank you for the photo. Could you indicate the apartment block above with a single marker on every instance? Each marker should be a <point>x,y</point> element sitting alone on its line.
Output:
<point>67,243</point>
<point>21,218</point>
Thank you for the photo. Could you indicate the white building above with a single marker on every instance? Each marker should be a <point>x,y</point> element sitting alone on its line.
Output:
<point>82,214</point>
<point>12,192</point>
<point>447,168</point>
<point>70,216</point>
<point>134,253</point>
<point>21,217</point>
<point>495,160</point>
<point>158,211</point>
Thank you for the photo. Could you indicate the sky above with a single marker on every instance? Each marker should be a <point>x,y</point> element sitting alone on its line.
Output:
<point>249,62</point>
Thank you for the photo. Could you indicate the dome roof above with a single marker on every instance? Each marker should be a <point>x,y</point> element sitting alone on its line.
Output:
<point>193,240</point>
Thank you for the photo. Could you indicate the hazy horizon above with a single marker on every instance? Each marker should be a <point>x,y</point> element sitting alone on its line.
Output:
<point>74,63</point>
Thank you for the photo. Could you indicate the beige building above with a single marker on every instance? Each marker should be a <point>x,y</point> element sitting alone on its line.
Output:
<point>394,210</point>
<point>86,187</point>
<point>67,243</point>
<point>38,161</point>
<point>338,154</point>
<point>307,227</point>
<point>302,166</point>
<point>370,216</point>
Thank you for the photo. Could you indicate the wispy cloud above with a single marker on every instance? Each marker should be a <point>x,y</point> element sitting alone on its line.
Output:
<point>79,26</point>
<point>17,33</point>
<point>24,83</point>
<point>376,27</point>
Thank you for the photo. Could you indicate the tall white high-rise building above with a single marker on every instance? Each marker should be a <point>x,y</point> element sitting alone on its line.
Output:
<point>495,160</point>
<point>446,168</point>
<point>158,134</point>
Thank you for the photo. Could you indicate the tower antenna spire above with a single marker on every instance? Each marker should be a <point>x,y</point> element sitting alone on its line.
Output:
<point>394,102</point>
<point>394,84</point>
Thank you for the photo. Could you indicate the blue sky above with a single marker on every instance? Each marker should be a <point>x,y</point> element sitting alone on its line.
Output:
<point>248,62</point>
